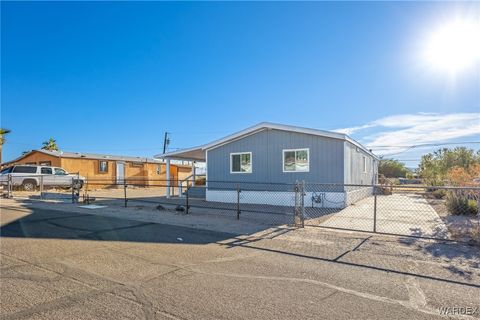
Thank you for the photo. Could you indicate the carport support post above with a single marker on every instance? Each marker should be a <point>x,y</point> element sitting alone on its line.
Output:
<point>374,209</point>
<point>193,174</point>
<point>167,191</point>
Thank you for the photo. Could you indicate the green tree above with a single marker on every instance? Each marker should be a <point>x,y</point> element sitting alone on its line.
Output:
<point>50,145</point>
<point>3,132</point>
<point>434,166</point>
<point>392,169</point>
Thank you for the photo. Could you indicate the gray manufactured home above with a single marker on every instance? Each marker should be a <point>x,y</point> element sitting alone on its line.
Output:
<point>268,158</point>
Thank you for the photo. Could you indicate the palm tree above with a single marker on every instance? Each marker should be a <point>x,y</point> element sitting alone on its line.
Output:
<point>3,132</point>
<point>50,145</point>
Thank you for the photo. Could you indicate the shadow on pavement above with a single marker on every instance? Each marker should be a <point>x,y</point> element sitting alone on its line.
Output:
<point>246,243</point>
<point>49,224</point>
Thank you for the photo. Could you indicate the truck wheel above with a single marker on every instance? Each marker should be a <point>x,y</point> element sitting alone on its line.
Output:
<point>29,185</point>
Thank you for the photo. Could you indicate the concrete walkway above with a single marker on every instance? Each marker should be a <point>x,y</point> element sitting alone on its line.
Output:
<point>405,214</point>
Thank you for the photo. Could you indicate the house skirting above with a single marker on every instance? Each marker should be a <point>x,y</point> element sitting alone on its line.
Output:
<point>278,198</point>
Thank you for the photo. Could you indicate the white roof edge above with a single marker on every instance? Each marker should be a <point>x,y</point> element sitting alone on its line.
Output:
<point>358,144</point>
<point>269,125</point>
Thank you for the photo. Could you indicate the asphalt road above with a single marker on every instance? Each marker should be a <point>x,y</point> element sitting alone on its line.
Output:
<point>65,265</point>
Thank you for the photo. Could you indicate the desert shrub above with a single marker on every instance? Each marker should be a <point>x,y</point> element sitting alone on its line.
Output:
<point>460,204</point>
<point>472,206</point>
<point>439,193</point>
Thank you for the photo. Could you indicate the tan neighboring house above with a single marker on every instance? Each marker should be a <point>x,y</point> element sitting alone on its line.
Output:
<point>102,168</point>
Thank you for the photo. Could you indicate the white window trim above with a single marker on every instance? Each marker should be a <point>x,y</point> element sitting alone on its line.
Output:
<point>365,166</point>
<point>240,153</point>
<point>295,171</point>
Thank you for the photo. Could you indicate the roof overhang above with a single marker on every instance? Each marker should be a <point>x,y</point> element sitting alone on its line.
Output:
<point>195,154</point>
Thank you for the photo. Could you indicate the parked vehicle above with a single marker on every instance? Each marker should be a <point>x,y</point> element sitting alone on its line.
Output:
<point>29,177</point>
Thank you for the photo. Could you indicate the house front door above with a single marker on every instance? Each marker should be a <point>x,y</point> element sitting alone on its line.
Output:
<point>120,172</point>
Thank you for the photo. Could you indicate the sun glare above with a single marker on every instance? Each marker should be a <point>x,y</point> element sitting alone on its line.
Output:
<point>454,47</point>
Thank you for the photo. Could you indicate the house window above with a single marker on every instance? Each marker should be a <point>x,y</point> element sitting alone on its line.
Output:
<point>296,160</point>
<point>136,164</point>
<point>364,164</point>
<point>45,163</point>
<point>102,166</point>
<point>241,162</point>
<point>31,163</point>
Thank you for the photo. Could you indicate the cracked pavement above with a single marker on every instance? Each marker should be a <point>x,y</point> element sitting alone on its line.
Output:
<point>66,265</point>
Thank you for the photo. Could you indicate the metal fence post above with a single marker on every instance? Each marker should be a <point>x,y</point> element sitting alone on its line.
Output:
<point>41,187</point>
<point>238,202</point>
<point>187,206</point>
<point>85,192</point>
<point>297,220</point>
<point>302,218</point>
<point>478,217</point>
<point>125,191</point>
<point>374,209</point>
<point>9,186</point>
<point>73,190</point>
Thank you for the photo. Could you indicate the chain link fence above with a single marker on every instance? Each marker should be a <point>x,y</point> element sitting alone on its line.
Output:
<point>407,210</point>
<point>62,187</point>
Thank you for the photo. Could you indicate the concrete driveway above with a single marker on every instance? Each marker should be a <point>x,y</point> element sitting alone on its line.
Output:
<point>405,214</point>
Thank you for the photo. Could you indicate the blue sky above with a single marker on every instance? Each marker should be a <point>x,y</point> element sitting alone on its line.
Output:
<point>111,77</point>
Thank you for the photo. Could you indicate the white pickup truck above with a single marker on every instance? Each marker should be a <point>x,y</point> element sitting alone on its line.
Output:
<point>29,177</point>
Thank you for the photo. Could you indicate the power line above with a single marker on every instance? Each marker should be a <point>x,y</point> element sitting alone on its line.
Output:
<point>408,148</point>
<point>427,144</point>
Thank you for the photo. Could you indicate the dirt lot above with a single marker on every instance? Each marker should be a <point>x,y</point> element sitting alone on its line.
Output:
<point>465,228</point>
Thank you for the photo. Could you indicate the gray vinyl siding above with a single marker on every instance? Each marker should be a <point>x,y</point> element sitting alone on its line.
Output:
<point>325,156</point>
<point>354,170</point>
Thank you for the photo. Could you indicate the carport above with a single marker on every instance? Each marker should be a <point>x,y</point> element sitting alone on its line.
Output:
<point>196,154</point>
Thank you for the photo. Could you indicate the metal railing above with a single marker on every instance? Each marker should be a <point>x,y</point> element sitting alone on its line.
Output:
<point>186,182</point>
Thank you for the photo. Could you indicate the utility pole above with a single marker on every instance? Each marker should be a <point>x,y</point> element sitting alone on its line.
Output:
<point>166,142</point>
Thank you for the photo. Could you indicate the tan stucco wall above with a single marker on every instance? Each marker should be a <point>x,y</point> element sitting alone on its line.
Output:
<point>140,173</point>
<point>36,158</point>
<point>184,172</point>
